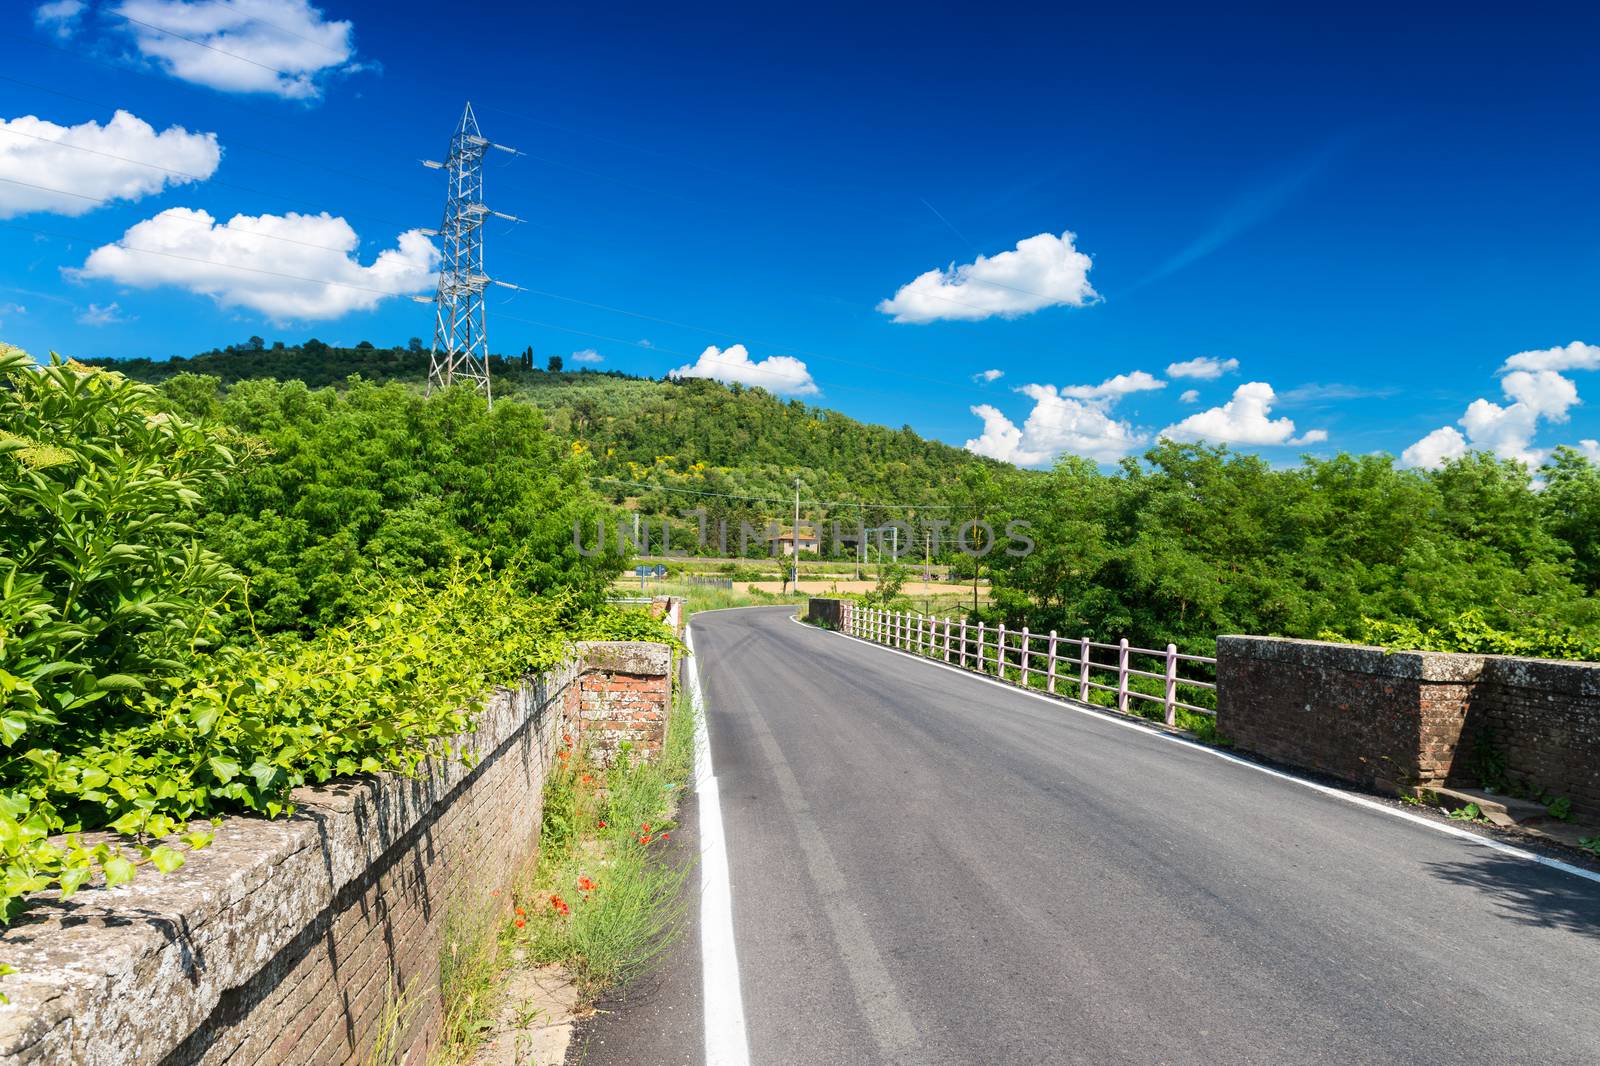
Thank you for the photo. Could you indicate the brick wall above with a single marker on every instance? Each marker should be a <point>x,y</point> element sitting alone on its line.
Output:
<point>823,611</point>
<point>277,944</point>
<point>624,699</point>
<point>1397,721</point>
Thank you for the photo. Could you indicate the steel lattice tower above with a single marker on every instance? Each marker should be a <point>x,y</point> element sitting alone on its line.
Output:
<point>460,350</point>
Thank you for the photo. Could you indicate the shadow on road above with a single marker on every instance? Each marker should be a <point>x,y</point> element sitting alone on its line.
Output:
<point>1528,894</point>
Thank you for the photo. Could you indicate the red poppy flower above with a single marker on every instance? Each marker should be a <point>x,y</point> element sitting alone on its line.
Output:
<point>585,885</point>
<point>644,839</point>
<point>601,824</point>
<point>520,912</point>
<point>521,923</point>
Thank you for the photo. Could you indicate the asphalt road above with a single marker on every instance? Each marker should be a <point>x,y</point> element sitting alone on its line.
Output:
<point>930,869</point>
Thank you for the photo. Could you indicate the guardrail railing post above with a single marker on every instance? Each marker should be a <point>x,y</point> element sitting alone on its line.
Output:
<point>1027,650</point>
<point>946,638</point>
<point>1050,665</point>
<point>1000,651</point>
<point>980,646</point>
<point>1172,684</point>
<point>1122,675</point>
<point>1083,670</point>
<point>963,642</point>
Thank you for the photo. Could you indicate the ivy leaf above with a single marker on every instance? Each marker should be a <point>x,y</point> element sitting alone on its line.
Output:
<point>166,859</point>
<point>224,769</point>
<point>119,871</point>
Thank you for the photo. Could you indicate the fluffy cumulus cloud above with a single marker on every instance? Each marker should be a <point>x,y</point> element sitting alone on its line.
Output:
<point>588,355</point>
<point>1042,271</point>
<point>71,170</point>
<point>987,376</point>
<point>781,374</point>
<point>1537,392</point>
<point>282,47</point>
<point>1056,424</point>
<point>288,267</point>
<point>1590,449</point>
<point>1115,388</point>
<point>1575,356</point>
<point>1073,418</point>
<point>60,17</point>
<point>1245,419</point>
<point>1203,367</point>
<point>1190,396</point>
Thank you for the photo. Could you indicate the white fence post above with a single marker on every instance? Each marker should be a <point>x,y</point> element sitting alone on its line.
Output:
<point>963,642</point>
<point>946,638</point>
<point>1172,684</point>
<point>1050,665</point>
<point>980,645</point>
<point>1122,676</point>
<point>1000,651</point>
<point>1027,650</point>
<point>1083,670</point>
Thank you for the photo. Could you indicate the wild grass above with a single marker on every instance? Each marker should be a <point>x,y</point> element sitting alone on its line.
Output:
<point>400,1005</point>
<point>605,900</point>
<point>470,966</point>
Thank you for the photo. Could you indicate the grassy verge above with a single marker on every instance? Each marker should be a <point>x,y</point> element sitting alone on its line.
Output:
<point>601,900</point>
<point>603,903</point>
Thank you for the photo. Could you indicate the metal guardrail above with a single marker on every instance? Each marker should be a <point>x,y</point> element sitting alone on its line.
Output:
<point>1016,657</point>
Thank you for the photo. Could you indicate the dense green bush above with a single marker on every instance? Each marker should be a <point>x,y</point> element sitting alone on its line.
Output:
<point>1193,541</point>
<point>104,589</point>
<point>118,710</point>
<point>1470,632</point>
<point>375,482</point>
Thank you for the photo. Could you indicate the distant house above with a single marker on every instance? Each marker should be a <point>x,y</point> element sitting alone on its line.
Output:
<point>807,541</point>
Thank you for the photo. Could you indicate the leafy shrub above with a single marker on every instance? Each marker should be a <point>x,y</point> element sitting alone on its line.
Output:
<point>1469,631</point>
<point>376,482</point>
<point>104,590</point>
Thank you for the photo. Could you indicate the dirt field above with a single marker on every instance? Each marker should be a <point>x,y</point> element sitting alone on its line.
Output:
<point>825,586</point>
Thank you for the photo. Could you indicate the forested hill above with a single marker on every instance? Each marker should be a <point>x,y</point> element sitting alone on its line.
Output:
<point>662,446</point>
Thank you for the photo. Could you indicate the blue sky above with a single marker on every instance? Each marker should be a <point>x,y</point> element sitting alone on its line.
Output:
<point>1361,233</point>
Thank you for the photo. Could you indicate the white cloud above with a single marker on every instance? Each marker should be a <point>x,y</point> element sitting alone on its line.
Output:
<point>781,374</point>
<point>60,17</point>
<point>1043,271</point>
<point>1590,450</point>
<point>1058,423</point>
<point>1245,419</point>
<point>288,267</point>
<point>1507,431</point>
<point>1190,396</point>
<point>1114,388</point>
<point>986,376</point>
<point>588,355</point>
<point>81,161</point>
<point>103,315</point>
<point>283,47</point>
<point>1436,448</point>
<point>1203,367</point>
<point>1575,356</point>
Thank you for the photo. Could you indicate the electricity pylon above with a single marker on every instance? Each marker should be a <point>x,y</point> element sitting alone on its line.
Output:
<point>460,350</point>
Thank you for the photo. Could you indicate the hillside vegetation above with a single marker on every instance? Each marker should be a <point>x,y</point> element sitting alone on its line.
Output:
<point>1180,544</point>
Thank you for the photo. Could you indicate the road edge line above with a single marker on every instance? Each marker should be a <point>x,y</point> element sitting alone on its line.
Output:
<point>726,1039</point>
<point>1336,793</point>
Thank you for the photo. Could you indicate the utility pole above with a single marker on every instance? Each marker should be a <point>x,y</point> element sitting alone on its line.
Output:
<point>794,542</point>
<point>460,347</point>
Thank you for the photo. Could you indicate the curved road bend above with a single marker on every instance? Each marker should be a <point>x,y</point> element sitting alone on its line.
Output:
<point>930,869</point>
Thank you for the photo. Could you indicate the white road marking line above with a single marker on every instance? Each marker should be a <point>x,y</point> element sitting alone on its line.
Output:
<point>727,1043</point>
<point>1348,797</point>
